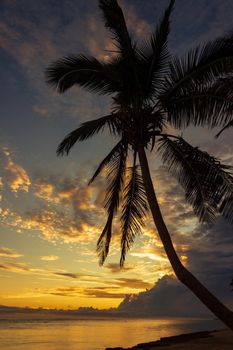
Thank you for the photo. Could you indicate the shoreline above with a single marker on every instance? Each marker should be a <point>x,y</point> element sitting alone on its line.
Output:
<point>206,340</point>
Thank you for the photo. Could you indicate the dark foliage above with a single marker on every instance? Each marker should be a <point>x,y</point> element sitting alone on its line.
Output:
<point>151,90</point>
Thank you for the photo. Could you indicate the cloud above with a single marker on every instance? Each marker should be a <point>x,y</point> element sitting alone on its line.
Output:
<point>97,293</point>
<point>44,190</point>
<point>63,208</point>
<point>136,25</point>
<point>167,298</point>
<point>67,274</point>
<point>9,253</point>
<point>133,283</point>
<point>26,268</point>
<point>43,111</point>
<point>16,267</point>
<point>149,255</point>
<point>49,257</point>
<point>16,176</point>
<point>53,224</point>
<point>34,44</point>
<point>116,268</point>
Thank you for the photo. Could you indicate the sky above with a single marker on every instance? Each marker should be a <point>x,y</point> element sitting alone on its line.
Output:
<point>50,218</point>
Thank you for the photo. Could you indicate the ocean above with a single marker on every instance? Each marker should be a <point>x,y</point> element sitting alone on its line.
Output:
<point>93,334</point>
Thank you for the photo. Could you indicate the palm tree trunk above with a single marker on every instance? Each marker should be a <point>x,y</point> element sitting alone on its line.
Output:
<point>207,298</point>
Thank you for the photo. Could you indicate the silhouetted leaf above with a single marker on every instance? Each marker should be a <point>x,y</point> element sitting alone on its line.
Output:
<point>208,105</point>
<point>155,56</point>
<point>86,130</point>
<point>133,211</point>
<point>115,180</point>
<point>115,22</point>
<point>107,160</point>
<point>207,182</point>
<point>84,71</point>
<point>200,66</point>
<point>227,126</point>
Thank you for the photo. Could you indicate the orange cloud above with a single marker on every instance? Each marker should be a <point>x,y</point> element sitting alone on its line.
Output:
<point>133,283</point>
<point>44,190</point>
<point>52,224</point>
<point>16,267</point>
<point>24,268</point>
<point>49,258</point>
<point>16,176</point>
<point>149,255</point>
<point>9,253</point>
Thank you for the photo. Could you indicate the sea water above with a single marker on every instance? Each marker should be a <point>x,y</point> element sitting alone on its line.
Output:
<point>93,334</point>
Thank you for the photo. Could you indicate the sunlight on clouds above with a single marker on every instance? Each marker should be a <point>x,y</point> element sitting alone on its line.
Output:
<point>17,267</point>
<point>52,225</point>
<point>117,290</point>
<point>16,176</point>
<point>184,259</point>
<point>66,210</point>
<point>44,190</point>
<point>9,253</point>
<point>29,269</point>
<point>49,258</point>
<point>152,256</point>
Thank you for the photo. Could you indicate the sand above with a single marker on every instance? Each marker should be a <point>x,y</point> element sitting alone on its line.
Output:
<point>215,340</point>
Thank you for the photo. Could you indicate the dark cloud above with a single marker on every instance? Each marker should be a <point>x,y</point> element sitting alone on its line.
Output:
<point>209,257</point>
<point>99,293</point>
<point>116,268</point>
<point>133,283</point>
<point>67,274</point>
<point>167,298</point>
<point>95,292</point>
<point>16,267</point>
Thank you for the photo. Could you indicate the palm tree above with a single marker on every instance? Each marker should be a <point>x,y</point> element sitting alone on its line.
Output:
<point>152,89</point>
<point>227,126</point>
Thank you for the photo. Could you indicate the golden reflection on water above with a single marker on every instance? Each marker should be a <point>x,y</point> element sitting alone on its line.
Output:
<point>92,334</point>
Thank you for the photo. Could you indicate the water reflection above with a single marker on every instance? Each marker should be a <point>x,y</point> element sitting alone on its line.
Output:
<point>93,334</point>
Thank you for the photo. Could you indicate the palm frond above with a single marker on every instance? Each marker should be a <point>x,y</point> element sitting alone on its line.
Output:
<point>155,55</point>
<point>205,180</point>
<point>84,71</point>
<point>115,179</point>
<point>104,240</point>
<point>228,125</point>
<point>86,130</point>
<point>210,105</point>
<point>115,22</point>
<point>226,207</point>
<point>200,65</point>
<point>134,210</point>
<point>106,160</point>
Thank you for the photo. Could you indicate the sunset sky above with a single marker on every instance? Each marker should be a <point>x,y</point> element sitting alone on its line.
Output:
<point>50,218</point>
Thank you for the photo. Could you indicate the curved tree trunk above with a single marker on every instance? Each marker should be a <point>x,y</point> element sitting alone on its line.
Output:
<point>207,298</point>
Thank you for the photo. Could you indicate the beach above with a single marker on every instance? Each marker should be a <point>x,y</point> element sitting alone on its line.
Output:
<point>207,340</point>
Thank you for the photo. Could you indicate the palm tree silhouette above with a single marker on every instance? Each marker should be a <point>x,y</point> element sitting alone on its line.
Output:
<point>151,89</point>
<point>227,126</point>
